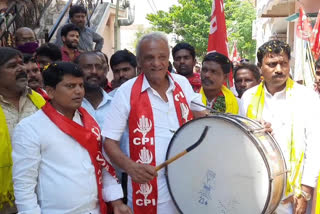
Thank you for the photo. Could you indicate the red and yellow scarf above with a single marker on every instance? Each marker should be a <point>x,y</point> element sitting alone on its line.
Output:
<point>142,140</point>
<point>88,136</point>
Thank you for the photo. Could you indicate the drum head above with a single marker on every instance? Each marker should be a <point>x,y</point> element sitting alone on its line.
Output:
<point>225,174</point>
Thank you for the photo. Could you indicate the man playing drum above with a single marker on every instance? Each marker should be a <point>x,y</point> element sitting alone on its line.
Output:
<point>293,111</point>
<point>214,72</point>
<point>151,107</point>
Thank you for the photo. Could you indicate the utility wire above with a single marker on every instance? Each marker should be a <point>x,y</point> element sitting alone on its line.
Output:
<point>151,6</point>
<point>155,6</point>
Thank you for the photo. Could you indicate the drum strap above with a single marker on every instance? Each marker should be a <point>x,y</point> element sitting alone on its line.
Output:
<point>142,140</point>
<point>296,156</point>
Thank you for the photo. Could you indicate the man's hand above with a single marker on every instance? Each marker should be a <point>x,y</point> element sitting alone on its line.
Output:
<point>141,173</point>
<point>300,205</point>
<point>266,125</point>
<point>120,208</point>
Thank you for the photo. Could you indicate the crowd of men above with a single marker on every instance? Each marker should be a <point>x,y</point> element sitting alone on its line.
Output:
<point>73,142</point>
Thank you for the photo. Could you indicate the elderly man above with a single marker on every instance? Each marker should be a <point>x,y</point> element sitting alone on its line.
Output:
<point>78,15</point>
<point>158,102</point>
<point>58,161</point>
<point>293,111</point>
<point>184,60</point>
<point>26,40</point>
<point>246,76</point>
<point>214,72</point>
<point>17,101</point>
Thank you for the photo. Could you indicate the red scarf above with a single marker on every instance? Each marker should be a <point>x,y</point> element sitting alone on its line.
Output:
<point>88,136</point>
<point>43,93</point>
<point>142,140</point>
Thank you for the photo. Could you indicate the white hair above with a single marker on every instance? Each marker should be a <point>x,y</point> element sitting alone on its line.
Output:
<point>151,36</point>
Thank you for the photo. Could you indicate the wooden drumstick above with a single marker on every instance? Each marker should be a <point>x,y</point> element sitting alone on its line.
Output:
<point>190,148</point>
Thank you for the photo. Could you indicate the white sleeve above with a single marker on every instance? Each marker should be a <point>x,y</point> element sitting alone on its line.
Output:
<point>116,118</point>
<point>26,160</point>
<point>312,135</point>
<point>112,190</point>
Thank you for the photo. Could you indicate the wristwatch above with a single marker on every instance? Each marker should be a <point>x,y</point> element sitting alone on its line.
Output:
<point>305,195</point>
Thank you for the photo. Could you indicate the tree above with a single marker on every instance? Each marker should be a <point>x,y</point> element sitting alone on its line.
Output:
<point>190,20</point>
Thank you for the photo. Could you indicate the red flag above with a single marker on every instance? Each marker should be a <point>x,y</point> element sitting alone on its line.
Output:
<point>235,55</point>
<point>315,40</point>
<point>218,41</point>
<point>304,27</point>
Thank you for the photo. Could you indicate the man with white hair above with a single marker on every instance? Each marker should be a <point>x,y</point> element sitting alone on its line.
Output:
<point>149,107</point>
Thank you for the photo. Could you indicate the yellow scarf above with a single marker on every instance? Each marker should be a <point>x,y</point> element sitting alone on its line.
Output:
<point>6,184</point>
<point>318,197</point>
<point>231,101</point>
<point>254,111</point>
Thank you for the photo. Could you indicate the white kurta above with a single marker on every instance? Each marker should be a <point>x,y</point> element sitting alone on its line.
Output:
<point>278,110</point>
<point>165,123</point>
<point>53,173</point>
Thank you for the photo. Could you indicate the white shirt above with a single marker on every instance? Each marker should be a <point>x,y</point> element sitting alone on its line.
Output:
<point>99,113</point>
<point>53,173</point>
<point>165,122</point>
<point>278,110</point>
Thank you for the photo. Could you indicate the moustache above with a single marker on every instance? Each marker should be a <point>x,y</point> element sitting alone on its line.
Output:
<point>206,81</point>
<point>278,76</point>
<point>21,75</point>
<point>33,80</point>
<point>93,76</point>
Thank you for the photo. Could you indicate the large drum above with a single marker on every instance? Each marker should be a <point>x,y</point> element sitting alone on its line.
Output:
<point>238,168</point>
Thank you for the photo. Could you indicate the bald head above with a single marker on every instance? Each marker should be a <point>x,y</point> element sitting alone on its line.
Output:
<point>24,35</point>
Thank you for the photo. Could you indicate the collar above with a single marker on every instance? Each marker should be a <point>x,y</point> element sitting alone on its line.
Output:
<point>25,93</point>
<point>146,85</point>
<point>277,94</point>
<point>64,49</point>
<point>106,98</point>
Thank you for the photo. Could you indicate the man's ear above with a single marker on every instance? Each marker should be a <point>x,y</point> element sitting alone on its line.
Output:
<point>50,91</point>
<point>63,38</point>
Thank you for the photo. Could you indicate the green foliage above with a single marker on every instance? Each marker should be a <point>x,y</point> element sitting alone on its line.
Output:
<point>190,20</point>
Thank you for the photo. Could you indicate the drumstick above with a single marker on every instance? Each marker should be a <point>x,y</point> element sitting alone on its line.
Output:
<point>206,107</point>
<point>190,148</point>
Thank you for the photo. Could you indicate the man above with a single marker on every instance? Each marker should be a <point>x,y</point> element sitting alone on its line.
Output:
<point>58,162</point>
<point>158,102</point>
<point>184,59</point>
<point>70,36</point>
<point>246,76</point>
<point>35,81</point>
<point>46,54</point>
<point>124,67</point>
<point>96,100</point>
<point>293,111</point>
<point>78,15</point>
<point>214,72</point>
<point>17,101</point>
<point>317,77</point>
<point>26,40</point>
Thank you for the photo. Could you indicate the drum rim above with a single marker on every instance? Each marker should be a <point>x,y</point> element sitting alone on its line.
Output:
<point>239,123</point>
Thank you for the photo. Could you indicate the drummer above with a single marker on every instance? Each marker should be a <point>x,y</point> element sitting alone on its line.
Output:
<point>214,72</point>
<point>151,107</point>
<point>293,111</point>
